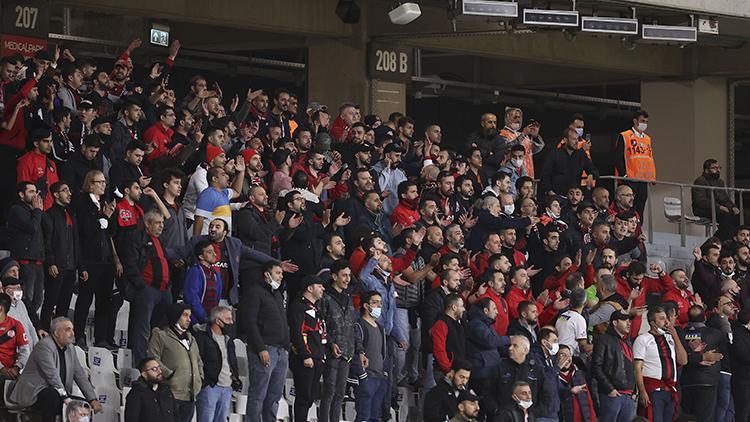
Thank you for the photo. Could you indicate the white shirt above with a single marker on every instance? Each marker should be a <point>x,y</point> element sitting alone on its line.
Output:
<point>645,348</point>
<point>571,327</point>
<point>196,185</point>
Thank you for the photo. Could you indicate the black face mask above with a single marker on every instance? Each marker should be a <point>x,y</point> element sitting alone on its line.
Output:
<point>229,330</point>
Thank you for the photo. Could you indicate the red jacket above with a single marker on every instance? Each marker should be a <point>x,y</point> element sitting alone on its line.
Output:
<point>515,296</point>
<point>553,282</point>
<point>340,131</point>
<point>404,215</point>
<point>312,180</point>
<point>684,300</point>
<point>479,265</point>
<point>158,136</point>
<point>358,260</point>
<point>15,136</point>
<point>32,167</point>
<point>502,320</point>
<point>648,285</point>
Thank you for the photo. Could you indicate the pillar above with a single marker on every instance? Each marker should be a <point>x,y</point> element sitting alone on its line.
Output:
<point>688,123</point>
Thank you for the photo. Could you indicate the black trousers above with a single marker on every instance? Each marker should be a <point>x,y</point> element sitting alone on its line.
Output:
<point>640,190</point>
<point>57,294</point>
<point>306,385</point>
<point>100,283</point>
<point>699,401</point>
<point>741,395</point>
<point>49,403</point>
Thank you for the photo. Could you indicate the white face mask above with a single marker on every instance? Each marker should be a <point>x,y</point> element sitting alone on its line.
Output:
<point>517,162</point>
<point>274,284</point>
<point>554,348</point>
<point>642,127</point>
<point>553,215</point>
<point>515,126</point>
<point>18,295</point>
<point>525,403</point>
<point>84,419</point>
<point>579,131</point>
<point>509,209</point>
<point>376,312</point>
<point>661,331</point>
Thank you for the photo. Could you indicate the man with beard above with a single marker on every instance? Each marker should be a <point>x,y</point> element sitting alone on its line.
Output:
<point>517,258</point>
<point>445,189</point>
<point>489,143</point>
<point>278,115</point>
<point>454,244</point>
<point>545,258</point>
<point>432,306</point>
<point>633,285</point>
<point>433,242</point>
<point>406,214</point>
<point>656,355</point>
<point>707,274</point>
<point>303,141</point>
<point>231,255</point>
<point>441,402</point>
<point>564,167</point>
<point>527,324</point>
<point>447,334</point>
<point>74,170</point>
<point>149,397</point>
<point>304,244</point>
<point>520,291</point>
<point>742,260</point>
<point>390,176</point>
<point>254,174</point>
<point>495,290</point>
<point>680,295</point>
<point>125,130</point>
<point>462,201</point>
<point>727,213</point>
<point>36,167</point>
<point>27,241</point>
<point>474,172</point>
<point>433,135</point>
<point>624,204</point>
<point>373,219</point>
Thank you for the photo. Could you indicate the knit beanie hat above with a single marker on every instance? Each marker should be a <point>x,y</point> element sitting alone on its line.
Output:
<point>213,152</point>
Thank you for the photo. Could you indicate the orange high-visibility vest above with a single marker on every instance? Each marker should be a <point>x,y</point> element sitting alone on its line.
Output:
<point>584,175</point>
<point>528,157</point>
<point>639,156</point>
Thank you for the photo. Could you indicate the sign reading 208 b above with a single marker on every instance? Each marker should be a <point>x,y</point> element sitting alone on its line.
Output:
<point>390,62</point>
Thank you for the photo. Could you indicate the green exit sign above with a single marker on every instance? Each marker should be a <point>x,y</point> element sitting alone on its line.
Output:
<point>160,37</point>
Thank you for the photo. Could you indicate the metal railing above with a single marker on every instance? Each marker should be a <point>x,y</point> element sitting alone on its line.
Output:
<point>681,186</point>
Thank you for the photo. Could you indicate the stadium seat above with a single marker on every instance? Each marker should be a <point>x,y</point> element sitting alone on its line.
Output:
<point>124,358</point>
<point>102,367</point>
<point>109,397</point>
<point>283,413</point>
<point>127,377</point>
<point>673,214</point>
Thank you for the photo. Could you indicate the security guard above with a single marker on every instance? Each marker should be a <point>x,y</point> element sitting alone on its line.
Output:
<point>635,158</point>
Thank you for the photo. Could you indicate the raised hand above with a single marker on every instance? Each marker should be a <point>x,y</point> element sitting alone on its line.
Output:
<point>133,45</point>
<point>174,48</point>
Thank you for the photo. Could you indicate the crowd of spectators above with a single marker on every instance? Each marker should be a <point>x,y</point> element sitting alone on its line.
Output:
<point>358,252</point>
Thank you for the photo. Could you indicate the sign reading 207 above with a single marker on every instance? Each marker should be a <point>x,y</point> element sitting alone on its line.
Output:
<point>29,18</point>
<point>390,62</point>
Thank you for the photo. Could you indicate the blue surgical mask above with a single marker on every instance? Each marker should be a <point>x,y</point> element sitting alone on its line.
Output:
<point>375,312</point>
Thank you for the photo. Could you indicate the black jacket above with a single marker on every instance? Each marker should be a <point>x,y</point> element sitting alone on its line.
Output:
<point>440,403</point>
<point>25,232</point>
<point>263,318</point>
<point>255,229</point>
<point>74,170</point>
<point>513,413</point>
<point>739,353</point>
<point>337,310</point>
<point>433,305</point>
<point>95,241</point>
<point>609,366</point>
<point>135,254</point>
<point>562,170</point>
<point>211,356</point>
<point>61,239</point>
<point>122,171</point>
<point>145,404</point>
<point>516,329</point>
<point>305,244</point>
<point>695,374</point>
<point>307,330</point>
<point>498,392</point>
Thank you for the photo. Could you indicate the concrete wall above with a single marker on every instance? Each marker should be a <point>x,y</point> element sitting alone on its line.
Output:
<point>713,7</point>
<point>688,124</point>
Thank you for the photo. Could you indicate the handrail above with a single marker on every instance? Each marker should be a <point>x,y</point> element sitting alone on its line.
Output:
<point>682,187</point>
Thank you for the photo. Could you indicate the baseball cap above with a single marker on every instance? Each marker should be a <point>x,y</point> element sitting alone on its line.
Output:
<point>619,315</point>
<point>316,106</point>
<point>468,395</point>
<point>393,147</point>
<point>309,280</point>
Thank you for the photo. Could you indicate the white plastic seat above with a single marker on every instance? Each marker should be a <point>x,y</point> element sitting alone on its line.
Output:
<point>282,414</point>
<point>109,397</point>
<point>673,214</point>
<point>128,376</point>
<point>102,367</point>
<point>124,358</point>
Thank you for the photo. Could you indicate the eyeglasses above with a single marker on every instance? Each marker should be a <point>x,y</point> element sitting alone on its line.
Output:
<point>155,369</point>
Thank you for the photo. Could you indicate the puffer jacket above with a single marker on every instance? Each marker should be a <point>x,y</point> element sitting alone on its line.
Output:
<point>340,316</point>
<point>182,367</point>
<point>482,344</point>
<point>410,295</point>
